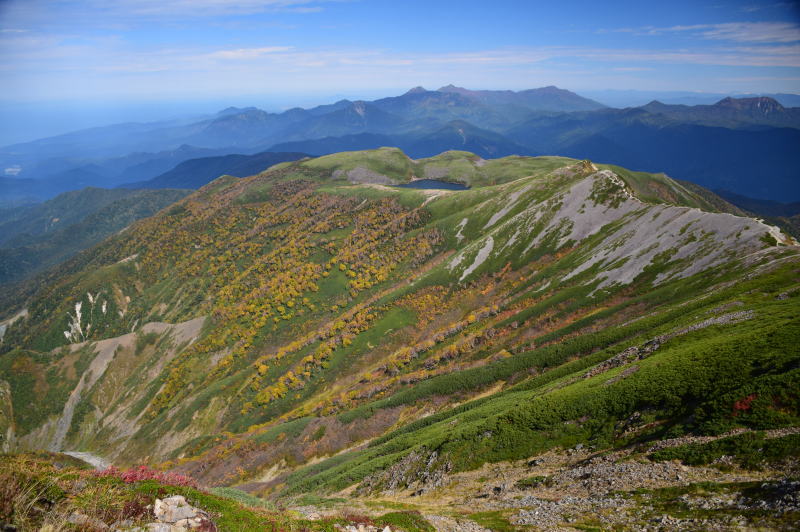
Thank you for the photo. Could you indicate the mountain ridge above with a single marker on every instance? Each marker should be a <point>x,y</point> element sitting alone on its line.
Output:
<point>313,331</point>
<point>547,120</point>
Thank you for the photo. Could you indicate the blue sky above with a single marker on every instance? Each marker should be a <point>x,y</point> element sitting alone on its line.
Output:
<point>308,51</point>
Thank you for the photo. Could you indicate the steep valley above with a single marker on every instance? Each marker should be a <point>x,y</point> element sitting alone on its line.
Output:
<point>562,345</point>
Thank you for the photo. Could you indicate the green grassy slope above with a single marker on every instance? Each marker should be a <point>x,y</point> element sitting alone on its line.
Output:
<point>43,235</point>
<point>63,210</point>
<point>456,325</point>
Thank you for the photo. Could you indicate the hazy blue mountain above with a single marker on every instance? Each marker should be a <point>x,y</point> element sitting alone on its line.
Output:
<point>61,174</point>
<point>143,166</point>
<point>549,134</point>
<point>757,163</point>
<point>543,99</point>
<point>327,145</point>
<point>547,120</point>
<point>784,215</point>
<point>195,173</point>
<point>92,142</point>
<point>425,109</point>
<point>762,207</point>
<point>636,98</point>
<point>461,135</point>
<point>352,118</point>
<point>326,108</point>
<point>245,128</point>
<point>15,191</point>
<point>730,112</point>
<point>754,159</point>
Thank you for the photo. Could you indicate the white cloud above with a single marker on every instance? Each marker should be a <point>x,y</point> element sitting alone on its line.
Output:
<point>246,53</point>
<point>745,32</point>
<point>755,32</point>
<point>210,7</point>
<point>759,7</point>
<point>736,57</point>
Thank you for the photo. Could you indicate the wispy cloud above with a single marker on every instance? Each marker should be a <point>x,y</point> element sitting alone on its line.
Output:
<point>246,53</point>
<point>745,32</point>
<point>54,54</point>
<point>735,57</point>
<point>193,8</point>
<point>756,32</point>
<point>756,79</point>
<point>753,8</point>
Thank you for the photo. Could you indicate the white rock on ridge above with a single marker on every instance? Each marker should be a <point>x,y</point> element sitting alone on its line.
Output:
<point>175,510</point>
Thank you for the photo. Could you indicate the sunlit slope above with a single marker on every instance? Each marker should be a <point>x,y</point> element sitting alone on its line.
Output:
<point>330,309</point>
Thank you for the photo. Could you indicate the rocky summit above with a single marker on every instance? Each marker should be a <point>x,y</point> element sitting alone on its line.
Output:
<point>555,344</point>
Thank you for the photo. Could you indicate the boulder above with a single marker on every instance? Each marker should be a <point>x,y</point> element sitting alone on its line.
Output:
<point>176,511</point>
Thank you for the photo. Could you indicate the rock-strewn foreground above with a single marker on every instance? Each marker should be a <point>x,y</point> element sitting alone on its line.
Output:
<point>562,345</point>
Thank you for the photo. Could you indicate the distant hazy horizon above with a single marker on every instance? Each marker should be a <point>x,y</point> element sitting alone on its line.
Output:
<point>35,120</point>
<point>28,121</point>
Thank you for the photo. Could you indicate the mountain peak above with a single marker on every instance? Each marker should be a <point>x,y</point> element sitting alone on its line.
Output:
<point>763,104</point>
<point>236,110</point>
<point>453,88</point>
<point>654,104</point>
<point>417,90</point>
<point>551,89</point>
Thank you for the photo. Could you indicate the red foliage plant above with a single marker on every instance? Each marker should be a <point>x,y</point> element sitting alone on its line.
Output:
<point>743,405</point>
<point>135,474</point>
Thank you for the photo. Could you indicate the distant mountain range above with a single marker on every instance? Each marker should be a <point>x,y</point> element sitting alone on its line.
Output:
<point>745,145</point>
<point>636,98</point>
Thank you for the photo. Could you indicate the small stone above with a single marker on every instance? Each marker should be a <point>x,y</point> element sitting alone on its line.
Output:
<point>161,527</point>
<point>84,521</point>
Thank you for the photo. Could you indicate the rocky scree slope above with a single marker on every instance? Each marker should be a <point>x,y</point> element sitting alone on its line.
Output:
<point>331,331</point>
